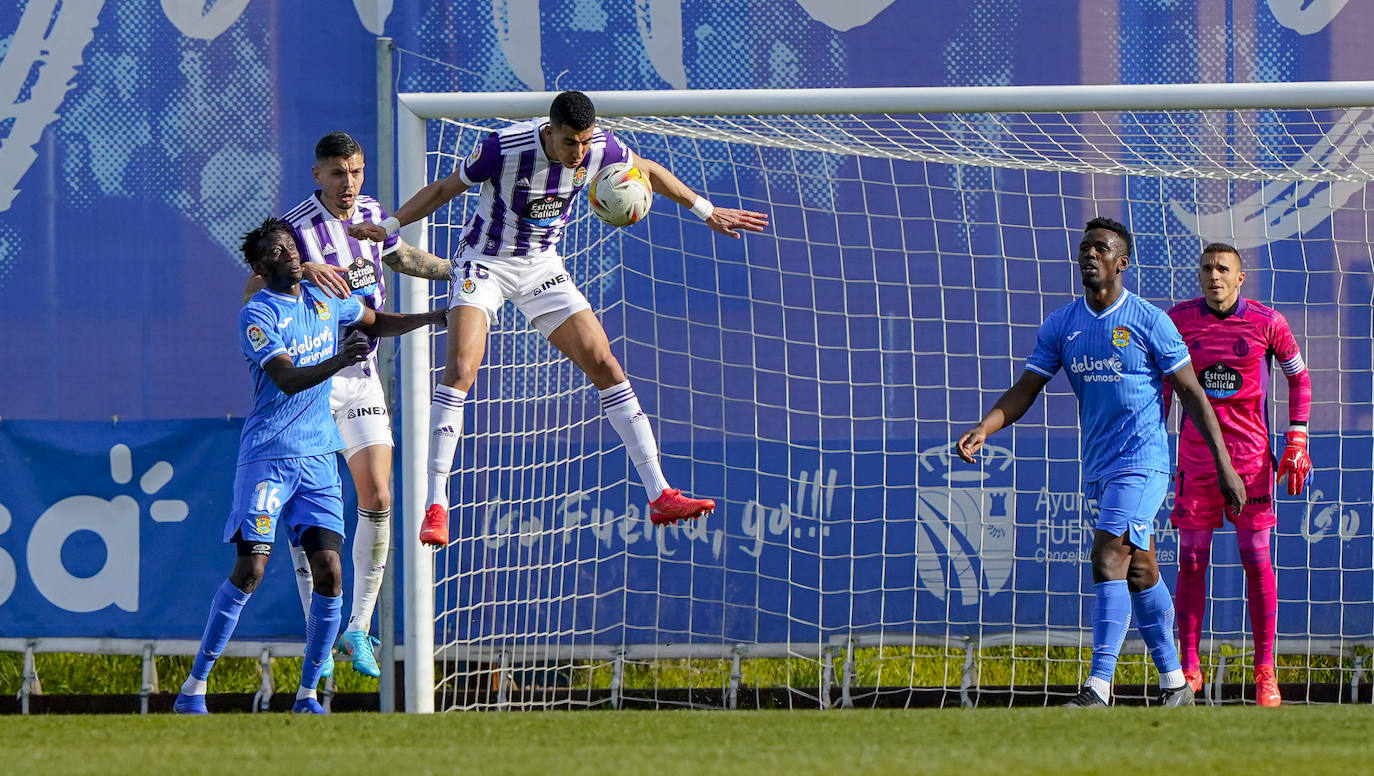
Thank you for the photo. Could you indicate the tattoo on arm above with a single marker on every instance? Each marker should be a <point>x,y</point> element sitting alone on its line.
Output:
<point>409,260</point>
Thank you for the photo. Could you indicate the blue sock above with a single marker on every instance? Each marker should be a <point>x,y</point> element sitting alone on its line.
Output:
<point>1111,619</point>
<point>224,617</point>
<point>326,612</point>
<point>1154,615</point>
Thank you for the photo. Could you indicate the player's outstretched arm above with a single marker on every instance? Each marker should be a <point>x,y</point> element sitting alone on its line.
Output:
<point>293,379</point>
<point>1008,409</point>
<point>1194,402</point>
<point>422,205</point>
<point>375,323</point>
<point>1295,466</point>
<point>726,220</point>
<point>409,260</point>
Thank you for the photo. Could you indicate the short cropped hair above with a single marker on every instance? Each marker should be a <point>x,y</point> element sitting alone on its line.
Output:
<point>1221,247</point>
<point>1102,222</point>
<point>253,239</point>
<point>573,110</point>
<point>336,144</point>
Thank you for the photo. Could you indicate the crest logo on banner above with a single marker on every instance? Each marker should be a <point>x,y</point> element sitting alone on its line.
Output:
<point>965,545</point>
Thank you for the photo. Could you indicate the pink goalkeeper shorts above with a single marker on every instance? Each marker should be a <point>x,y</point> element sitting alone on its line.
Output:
<point>1198,502</point>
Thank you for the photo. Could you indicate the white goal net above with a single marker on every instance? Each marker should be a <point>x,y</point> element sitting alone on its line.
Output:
<point>811,379</point>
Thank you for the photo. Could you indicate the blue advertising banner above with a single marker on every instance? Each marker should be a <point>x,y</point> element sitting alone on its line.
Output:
<point>139,139</point>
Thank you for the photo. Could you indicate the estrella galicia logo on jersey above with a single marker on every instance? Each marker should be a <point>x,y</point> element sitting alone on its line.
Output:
<point>469,286</point>
<point>1121,336</point>
<point>1241,348</point>
<point>256,337</point>
<point>1097,370</point>
<point>322,310</point>
<point>545,210</point>
<point>361,274</point>
<point>580,176</point>
<point>264,523</point>
<point>1220,381</point>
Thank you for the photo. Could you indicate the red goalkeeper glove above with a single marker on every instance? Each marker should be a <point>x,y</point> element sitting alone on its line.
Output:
<point>1295,464</point>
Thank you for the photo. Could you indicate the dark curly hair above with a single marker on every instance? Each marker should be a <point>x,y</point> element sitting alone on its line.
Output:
<point>1102,222</point>
<point>254,238</point>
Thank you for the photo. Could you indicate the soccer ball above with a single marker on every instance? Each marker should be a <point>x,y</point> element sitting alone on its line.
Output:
<point>619,194</point>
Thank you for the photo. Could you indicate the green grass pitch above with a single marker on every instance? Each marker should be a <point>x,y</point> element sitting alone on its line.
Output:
<point>1241,740</point>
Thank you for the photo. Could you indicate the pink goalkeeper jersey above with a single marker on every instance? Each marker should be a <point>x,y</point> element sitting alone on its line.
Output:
<point>1232,357</point>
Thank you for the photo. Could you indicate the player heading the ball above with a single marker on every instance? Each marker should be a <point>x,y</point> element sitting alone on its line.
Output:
<point>1115,348</point>
<point>530,174</point>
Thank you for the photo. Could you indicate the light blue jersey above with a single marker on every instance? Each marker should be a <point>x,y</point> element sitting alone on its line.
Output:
<point>306,328</point>
<point>1116,361</point>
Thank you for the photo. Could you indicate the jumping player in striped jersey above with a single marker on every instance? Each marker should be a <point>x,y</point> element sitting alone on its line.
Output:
<point>347,266</point>
<point>291,335</point>
<point>1116,349</point>
<point>1234,342</point>
<point>530,173</point>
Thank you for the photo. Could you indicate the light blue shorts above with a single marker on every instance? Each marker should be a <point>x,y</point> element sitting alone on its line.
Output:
<point>1128,502</point>
<point>301,492</point>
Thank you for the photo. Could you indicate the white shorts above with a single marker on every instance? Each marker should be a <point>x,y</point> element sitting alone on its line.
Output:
<point>541,288</point>
<point>359,407</point>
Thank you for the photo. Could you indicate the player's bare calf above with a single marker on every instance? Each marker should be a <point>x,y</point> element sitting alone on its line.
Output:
<point>671,506</point>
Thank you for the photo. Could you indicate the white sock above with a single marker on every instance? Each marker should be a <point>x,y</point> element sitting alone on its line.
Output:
<point>445,424</point>
<point>1102,687</point>
<point>629,421</point>
<point>305,582</point>
<point>371,541</point>
<point>301,692</point>
<point>194,686</point>
<point>1171,680</point>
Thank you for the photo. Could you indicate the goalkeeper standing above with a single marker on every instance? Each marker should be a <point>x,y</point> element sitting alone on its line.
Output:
<point>1116,348</point>
<point>1236,341</point>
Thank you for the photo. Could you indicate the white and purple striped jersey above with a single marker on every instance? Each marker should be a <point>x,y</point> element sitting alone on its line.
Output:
<point>321,236</point>
<point>526,197</point>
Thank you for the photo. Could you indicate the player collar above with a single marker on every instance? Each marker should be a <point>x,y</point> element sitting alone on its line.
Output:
<point>289,299</point>
<point>1120,300</point>
<point>1237,311</point>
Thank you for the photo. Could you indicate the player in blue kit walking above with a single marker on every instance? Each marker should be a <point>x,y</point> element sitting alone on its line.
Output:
<point>1115,349</point>
<point>289,333</point>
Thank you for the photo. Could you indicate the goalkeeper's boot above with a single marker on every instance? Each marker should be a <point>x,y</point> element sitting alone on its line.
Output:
<point>434,529</point>
<point>307,706</point>
<point>357,645</point>
<point>327,667</point>
<point>1087,698</point>
<point>1173,697</point>
<point>1193,676</point>
<point>189,704</point>
<point>671,506</point>
<point>1267,687</point>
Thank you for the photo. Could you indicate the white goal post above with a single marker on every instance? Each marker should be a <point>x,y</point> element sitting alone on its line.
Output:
<point>975,192</point>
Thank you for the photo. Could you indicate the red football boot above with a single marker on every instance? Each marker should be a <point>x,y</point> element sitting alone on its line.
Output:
<point>671,506</point>
<point>1194,679</point>
<point>434,529</point>
<point>1267,687</point>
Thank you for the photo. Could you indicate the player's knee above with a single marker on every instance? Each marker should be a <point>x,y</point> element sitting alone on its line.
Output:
<point>1143,573</point>
<point>459,375</point>
<point>328,573</point>
<point>603,369</point>
<point>248,571</point>
<point>1109,565</point>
